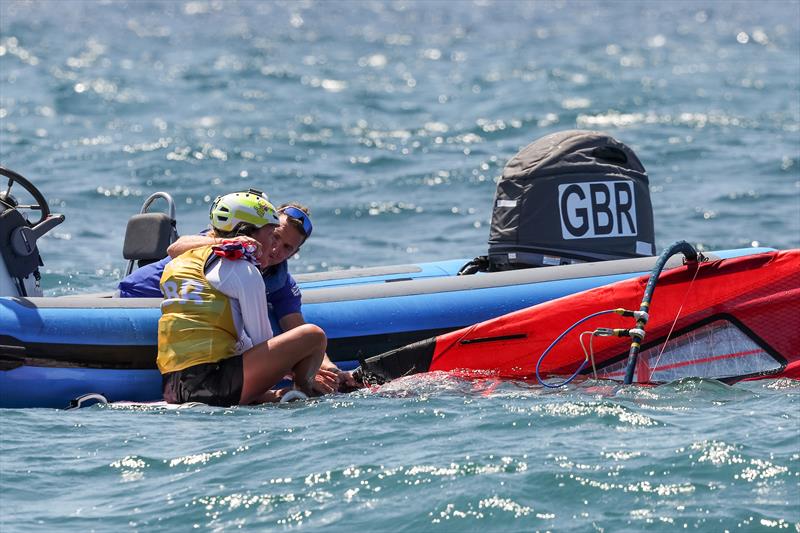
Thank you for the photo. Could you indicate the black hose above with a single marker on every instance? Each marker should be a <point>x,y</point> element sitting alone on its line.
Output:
<point>637,334</point>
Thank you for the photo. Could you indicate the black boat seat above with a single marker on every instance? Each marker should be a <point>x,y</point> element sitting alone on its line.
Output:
<point>148,235</point>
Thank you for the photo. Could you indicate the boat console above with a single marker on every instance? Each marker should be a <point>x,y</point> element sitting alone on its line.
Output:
<point>20,261</point>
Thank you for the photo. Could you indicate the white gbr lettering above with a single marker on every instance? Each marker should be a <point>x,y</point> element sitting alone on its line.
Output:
<point>597,209</point>
<point>185,294</point>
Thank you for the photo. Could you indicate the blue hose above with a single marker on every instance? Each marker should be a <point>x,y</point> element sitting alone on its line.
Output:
<point>544,354</point>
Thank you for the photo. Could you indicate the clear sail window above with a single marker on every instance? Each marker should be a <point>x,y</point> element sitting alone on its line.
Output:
<point>717,350</point>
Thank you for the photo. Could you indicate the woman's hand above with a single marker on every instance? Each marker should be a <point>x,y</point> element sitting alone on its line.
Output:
<point>347,382</point>
<point>326,381</point>
<point>248,240</point>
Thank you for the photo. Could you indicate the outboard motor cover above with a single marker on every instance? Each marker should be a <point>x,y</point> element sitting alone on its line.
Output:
<point>569,197</point>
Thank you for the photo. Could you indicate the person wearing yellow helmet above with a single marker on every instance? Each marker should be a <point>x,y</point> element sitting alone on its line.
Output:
<point>215,342</point>
<point>282,293</point>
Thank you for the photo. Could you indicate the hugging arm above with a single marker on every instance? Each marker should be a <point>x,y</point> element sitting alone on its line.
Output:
<point>190,242</point>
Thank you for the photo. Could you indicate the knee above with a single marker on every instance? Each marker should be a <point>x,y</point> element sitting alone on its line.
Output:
<point>315,334</point>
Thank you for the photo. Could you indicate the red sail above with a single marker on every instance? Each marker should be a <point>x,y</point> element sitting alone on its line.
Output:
<point>736,318</point>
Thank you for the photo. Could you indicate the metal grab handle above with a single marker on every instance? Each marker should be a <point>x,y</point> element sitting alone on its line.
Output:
<point>155,196</point>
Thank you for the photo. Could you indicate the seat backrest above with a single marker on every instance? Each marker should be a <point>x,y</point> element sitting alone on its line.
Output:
<point>147,238</point>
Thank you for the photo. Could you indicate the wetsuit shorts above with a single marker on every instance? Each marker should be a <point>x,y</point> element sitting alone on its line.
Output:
<point>218,384</point>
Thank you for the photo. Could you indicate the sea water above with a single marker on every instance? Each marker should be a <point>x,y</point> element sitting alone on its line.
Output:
<point>392,121</point>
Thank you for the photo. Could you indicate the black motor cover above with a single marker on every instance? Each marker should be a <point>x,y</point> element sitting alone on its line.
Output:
<point>568,197</point>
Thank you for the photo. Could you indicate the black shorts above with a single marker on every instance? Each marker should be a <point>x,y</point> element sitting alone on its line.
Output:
<point>218,384</point>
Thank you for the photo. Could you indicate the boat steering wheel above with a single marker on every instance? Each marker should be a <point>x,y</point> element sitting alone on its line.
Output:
<point>40,205</point>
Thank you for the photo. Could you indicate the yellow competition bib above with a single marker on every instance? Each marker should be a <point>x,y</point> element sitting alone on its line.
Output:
<point>196,324</point>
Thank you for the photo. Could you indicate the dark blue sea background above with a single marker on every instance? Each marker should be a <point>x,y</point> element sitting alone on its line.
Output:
<point>392,121</point>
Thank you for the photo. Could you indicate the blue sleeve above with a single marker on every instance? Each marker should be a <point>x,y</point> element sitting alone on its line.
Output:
<point>286,300</point>
<point>144,282</point>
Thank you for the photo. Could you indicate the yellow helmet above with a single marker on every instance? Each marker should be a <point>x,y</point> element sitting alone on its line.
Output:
<point>251,207</point>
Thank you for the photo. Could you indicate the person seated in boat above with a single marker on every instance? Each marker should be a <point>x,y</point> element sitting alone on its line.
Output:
<point>215,342</point>
<point>282,293</point>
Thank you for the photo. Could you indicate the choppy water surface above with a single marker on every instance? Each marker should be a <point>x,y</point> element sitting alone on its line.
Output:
<point>391,120</point>
<point>426,453</point>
